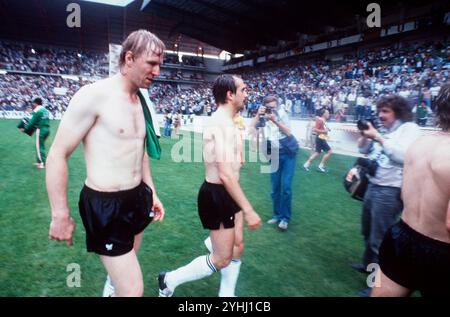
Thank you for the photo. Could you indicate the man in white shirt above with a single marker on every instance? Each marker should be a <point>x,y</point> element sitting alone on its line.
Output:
<point>382,201</point>
<point>415,253</point>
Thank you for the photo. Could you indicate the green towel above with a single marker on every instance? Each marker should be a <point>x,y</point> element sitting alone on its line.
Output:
<point>151,141</point>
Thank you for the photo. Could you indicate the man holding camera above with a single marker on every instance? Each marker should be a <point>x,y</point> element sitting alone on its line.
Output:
<point>415,253</point>
<point>387,147</point>
<point>275,126</point>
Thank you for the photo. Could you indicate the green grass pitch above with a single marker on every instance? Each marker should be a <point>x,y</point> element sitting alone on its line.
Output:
<point>310,259</point>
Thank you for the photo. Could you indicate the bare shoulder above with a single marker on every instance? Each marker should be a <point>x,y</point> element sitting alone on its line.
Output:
<point>219,127</point>
<point>97,89</point>
<point>84,93</point>
<point>87,97</point>
<point>219,121</point>
<point>440,144</point>
<point>440,162</point>
<point>103,85</point>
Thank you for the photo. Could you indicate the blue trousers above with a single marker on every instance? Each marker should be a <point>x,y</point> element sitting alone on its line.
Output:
<point>281,180</point>
<point>382,208</point>
<point>167,130</point>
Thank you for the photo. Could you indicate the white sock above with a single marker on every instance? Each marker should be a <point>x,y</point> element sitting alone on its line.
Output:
<point>321,165</point>
<point>229,278</point>
<point>199,268</point>
<point>208,244</point>
<point>108,289</point>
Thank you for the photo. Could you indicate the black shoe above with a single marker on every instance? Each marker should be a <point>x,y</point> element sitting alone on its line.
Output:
<point>359,267</point>
<point>365,292</point>
<point>164,291</point>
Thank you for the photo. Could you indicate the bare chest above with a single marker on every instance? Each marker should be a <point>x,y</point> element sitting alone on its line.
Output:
<point>123,120</point>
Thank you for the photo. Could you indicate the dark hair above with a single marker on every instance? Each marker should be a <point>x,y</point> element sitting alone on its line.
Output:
<point>223,84</point>
<point>443,108</point>
<point>397,104</point>
<point>321,111</point>
<point>37,101</point>
<point>139,42</point>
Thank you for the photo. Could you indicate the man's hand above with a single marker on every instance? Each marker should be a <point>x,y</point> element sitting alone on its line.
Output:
<point>22,129</point>
<point>61,229</point>
<point>370,133</point>
<point>261,111</point>
<point>272,117</point>
<point>158,208</point>
<point>253,220</point>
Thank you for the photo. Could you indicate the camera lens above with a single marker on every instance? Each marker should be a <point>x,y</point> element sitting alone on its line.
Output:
<point>362,125</point>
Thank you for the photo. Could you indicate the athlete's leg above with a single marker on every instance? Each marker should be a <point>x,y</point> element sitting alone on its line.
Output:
<point>230,273</point>
<point>125,274</point>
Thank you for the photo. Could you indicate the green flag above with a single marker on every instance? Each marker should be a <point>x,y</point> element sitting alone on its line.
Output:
<point>151,141</point>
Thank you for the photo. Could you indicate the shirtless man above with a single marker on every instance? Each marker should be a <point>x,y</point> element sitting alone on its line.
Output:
<point>222,204</point>
<point>415,253</point>
<point>119,199</point>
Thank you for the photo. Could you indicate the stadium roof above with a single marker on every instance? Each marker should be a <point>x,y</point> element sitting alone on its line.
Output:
<point>238,25</point>
<point>44,22</point>
<point>119,3</point>
<point>231,25</point>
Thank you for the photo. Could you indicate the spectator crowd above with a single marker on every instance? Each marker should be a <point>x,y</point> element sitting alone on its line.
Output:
<point>348,88</point>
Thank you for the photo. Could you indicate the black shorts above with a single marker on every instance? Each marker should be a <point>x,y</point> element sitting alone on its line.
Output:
<point>322,145</point>
<point>415,261</point>
<point>112,219</point>
<point>215,206</point>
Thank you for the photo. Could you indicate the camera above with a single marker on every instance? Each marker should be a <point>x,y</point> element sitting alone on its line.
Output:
<point>362,124</point>
<point>262,119</point>
<point>369,166</point>
<point>23,123</point>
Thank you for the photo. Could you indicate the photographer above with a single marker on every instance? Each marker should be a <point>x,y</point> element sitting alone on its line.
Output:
<point>273,122</point>
<point>168,123</point>
<point>387,147</point>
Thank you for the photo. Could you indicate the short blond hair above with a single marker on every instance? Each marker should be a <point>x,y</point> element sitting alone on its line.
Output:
<point>139,42</point>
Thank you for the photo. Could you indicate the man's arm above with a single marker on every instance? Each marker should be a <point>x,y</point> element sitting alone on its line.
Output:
<point>78,119</point>
<point>34,120</point>
<point>395,148</point>
<point>447,221</point>
<point>157,207</point>
<point>364,145</point>
<point>441,173</point>
<point>223,145</point>
<point>282,124</point>
<point>252,130</point>
<point>255,119</point>
<point>320,131</point>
